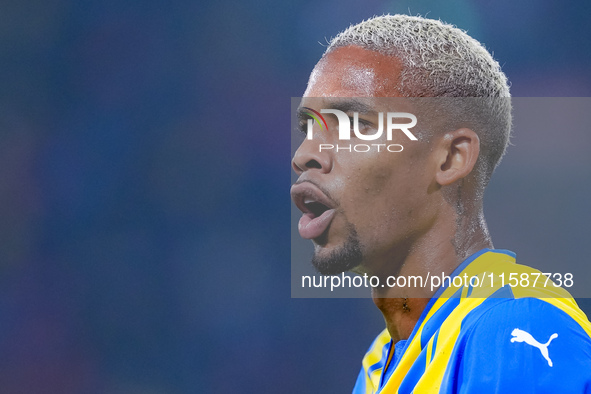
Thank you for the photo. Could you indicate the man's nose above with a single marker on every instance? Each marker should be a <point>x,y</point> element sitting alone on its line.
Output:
<point>310,157</point>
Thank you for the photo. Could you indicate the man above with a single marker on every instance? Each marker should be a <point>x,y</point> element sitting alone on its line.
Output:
<point>419,212</point>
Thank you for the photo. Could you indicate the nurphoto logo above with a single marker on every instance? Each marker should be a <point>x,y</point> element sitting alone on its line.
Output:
<point>347,123</point>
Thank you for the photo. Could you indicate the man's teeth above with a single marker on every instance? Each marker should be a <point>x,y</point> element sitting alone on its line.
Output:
<point>308,201</point>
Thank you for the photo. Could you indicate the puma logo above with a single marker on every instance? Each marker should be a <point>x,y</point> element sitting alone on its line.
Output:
<point>523,336</point>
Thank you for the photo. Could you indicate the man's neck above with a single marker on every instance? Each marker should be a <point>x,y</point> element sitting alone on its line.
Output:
<point>402,306</point>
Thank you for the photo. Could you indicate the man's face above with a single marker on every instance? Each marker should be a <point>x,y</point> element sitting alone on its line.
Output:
<point>360,208</point>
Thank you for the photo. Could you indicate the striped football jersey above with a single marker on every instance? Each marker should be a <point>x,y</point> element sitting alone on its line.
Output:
<point>500,337</point>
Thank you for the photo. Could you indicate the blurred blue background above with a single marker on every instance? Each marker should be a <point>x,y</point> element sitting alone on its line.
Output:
<point>144,178</point>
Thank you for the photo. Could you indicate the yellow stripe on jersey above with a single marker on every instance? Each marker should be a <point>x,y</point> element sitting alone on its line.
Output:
<point>374,356</point>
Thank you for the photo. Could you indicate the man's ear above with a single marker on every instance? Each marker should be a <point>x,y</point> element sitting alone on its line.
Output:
<point>458,152</point>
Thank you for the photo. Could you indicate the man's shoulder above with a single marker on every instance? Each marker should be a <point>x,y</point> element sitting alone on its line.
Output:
<point>520,293</point>
<point>522,343</point>
<point>497,315</point>
<point>509,292</point>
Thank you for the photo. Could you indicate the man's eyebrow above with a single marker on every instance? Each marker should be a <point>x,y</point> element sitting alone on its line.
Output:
<point>352,105</point>
<point>346,106</point>
<point>303,113</point>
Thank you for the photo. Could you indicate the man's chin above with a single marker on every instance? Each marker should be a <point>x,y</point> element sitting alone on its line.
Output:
<point>339,259</point>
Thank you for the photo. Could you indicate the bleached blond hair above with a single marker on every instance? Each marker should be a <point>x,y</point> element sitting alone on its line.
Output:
<point>440,60</point>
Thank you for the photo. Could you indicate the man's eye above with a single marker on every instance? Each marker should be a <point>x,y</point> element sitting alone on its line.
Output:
<point>303,126</point>
<point>364,126</point>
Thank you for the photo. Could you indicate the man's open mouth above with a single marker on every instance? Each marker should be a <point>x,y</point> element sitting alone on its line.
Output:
<point>314,207</point>
<point>317,209</point>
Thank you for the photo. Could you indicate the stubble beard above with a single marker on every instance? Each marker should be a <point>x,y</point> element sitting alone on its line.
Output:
<point>341,259</point>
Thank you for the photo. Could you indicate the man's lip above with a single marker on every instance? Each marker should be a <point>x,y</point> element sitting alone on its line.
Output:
<point>304,191</point>
<point>311,225</point>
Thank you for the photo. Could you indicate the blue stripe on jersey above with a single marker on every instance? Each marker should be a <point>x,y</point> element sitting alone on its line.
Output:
<point>398,352</point>
<point>414,374</point>
<point>435,336</point>
<point>380,363</point>
<point>437,319</point>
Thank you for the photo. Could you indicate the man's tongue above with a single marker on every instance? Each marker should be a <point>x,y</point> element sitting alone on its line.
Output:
<point>312,226</point>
